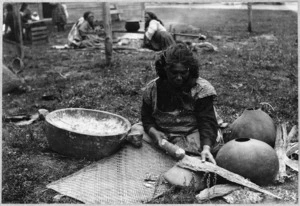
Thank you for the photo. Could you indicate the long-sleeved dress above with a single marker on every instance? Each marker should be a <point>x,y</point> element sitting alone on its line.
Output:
<point>9,23</point>
<point>59,15</point>
<point>186,117</point>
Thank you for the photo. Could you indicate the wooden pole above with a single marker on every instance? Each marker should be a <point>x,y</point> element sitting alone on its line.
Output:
<point>108,32</point>
<point>18,29</point>
<point>143,8</point>
<point>40,10</point>
<point>249,16</point>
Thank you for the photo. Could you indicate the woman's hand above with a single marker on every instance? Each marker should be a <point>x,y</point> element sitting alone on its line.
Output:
<point>157,135</point>
<point>205,154</point>
<point>146,41</point>
<point>98,30</point>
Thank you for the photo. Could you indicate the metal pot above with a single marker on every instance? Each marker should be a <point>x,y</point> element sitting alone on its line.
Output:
<point>83,144</point>
<point>132,26</point>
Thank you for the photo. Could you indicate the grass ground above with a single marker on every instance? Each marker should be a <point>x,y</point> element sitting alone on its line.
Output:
<point>245,72</point>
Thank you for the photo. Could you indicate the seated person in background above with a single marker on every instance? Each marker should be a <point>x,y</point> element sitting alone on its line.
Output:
<point>84,33</point>
<point>88,32</point>
<point>156,36</point>
<point>179,105</point>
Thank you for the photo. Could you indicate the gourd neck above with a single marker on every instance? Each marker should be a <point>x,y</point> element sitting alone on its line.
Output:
<point>251,110</point>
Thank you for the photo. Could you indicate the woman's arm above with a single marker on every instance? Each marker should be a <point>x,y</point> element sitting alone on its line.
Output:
<point>84,30</point>
<point>151,29</point>
<point>207,125</point>
<point>149,124</point>
<point>84,33</point>
<point>146,114</point>
<point>146,42</point>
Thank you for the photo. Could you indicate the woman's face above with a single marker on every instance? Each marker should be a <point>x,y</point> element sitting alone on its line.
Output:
<point>177,75</point>
<point>90,18</point>
<point>147,17</point>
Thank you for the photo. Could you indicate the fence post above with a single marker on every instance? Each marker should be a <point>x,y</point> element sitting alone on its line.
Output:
<point>108,32</point>
<point>18,29</point>
<point>249,17</point>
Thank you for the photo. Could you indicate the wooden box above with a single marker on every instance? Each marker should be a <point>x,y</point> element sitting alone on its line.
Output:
<point>38,32</point>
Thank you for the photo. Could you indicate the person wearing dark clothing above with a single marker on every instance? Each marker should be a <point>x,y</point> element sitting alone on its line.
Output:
<point>179,105</point>
<point>9,31</point>
<point>59,17</point>
<point>25,13</point>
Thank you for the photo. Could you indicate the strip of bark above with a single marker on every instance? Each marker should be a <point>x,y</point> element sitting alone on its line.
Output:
<point>292,133</point>
<point>195,164</point>
<point>216,191</point>
<point>280,148</point>
<point>293,164</point>
<point>292,148</point>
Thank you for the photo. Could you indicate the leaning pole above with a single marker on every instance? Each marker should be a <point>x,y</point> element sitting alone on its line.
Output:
<point>249,16</point>
<point>108,32</point>
<point>18,29</point>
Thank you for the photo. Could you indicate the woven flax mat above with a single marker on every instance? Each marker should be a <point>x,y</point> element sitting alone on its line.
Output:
<point>118,179</point>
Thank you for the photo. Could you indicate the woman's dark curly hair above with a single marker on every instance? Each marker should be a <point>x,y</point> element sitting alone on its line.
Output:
<point>152,16</point>
<point>177,53</point>
<point>86,15</point>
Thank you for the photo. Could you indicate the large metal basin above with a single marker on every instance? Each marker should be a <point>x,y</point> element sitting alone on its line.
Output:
<point>85,133</point>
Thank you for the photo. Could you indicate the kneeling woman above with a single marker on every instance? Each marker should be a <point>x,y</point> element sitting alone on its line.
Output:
<point>156,36</point>
<point>179,105</point>
<point>84,33</point>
